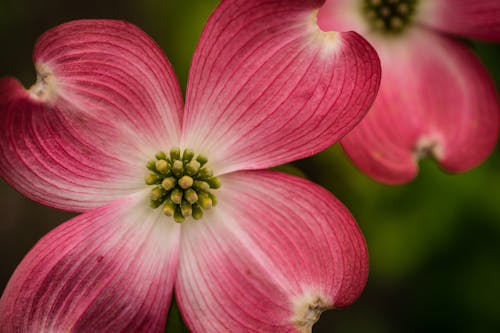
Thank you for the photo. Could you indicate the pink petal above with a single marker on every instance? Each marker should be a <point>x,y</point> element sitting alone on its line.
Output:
<point>343,15</point>
<point>435,99</point>
<point>81,136</point>
<point>275,252</point>
<point>267,86</point>
<point>111,269</point>
<point>472,18</point>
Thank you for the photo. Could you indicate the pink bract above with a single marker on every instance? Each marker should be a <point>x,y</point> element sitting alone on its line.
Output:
<point>266,87</point>
<point>436,99</point>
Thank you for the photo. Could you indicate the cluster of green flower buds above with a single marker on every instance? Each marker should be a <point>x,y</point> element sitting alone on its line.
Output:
<point>390,16</point>
<point>182,184</point>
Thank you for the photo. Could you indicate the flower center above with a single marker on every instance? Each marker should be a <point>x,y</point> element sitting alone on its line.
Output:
<point>389,16</point>
<point>181,184</point>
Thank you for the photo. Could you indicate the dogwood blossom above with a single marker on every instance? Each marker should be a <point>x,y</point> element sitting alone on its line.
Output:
<point>172,195</point>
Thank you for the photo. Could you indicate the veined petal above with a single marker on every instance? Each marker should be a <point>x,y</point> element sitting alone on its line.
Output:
<point>110,269</point>
<point>268,86</point>
<point>275,252</point>
<point>105,101</point>
<point>435,99</point>
<point>472,18</point>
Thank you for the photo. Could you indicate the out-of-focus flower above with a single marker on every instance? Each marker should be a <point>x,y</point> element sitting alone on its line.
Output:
<point>104,131</point>
<point>435,99</point>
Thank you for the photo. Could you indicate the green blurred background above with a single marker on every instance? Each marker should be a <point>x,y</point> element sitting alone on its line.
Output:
<point>434,244</point>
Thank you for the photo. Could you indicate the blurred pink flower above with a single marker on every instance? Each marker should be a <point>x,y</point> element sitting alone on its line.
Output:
<point>435,99</point>
<point>266,87</point>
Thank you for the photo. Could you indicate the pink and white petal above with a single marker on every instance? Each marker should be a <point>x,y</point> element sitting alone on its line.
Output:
<point>436,101</point>
<point>275,252</point>
<point>114,73</point>
<point>111,269</point>
<point>268,86</point>
<point>105,101</point>
<point>471,18</point>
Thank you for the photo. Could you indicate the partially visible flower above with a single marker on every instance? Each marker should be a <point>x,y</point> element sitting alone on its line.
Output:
<point>435,99</point>
<point>104,130</point>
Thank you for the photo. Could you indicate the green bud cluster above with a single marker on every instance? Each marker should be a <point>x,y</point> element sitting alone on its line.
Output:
<point>182,184</point>
<point>389,16</point>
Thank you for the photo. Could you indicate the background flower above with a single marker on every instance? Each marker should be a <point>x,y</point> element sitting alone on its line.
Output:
<point>433,243</point>
<point>436,99</point>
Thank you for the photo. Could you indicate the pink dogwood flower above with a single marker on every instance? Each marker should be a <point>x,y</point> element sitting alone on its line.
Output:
<point>436,99</point>
<point>172,195</point>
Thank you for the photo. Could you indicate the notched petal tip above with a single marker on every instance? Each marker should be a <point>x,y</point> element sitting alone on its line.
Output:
<point>45,87</point>
<point>307,311</point>
<point>320,34</point>
<point>318,25</point>
<point>427,147</point>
